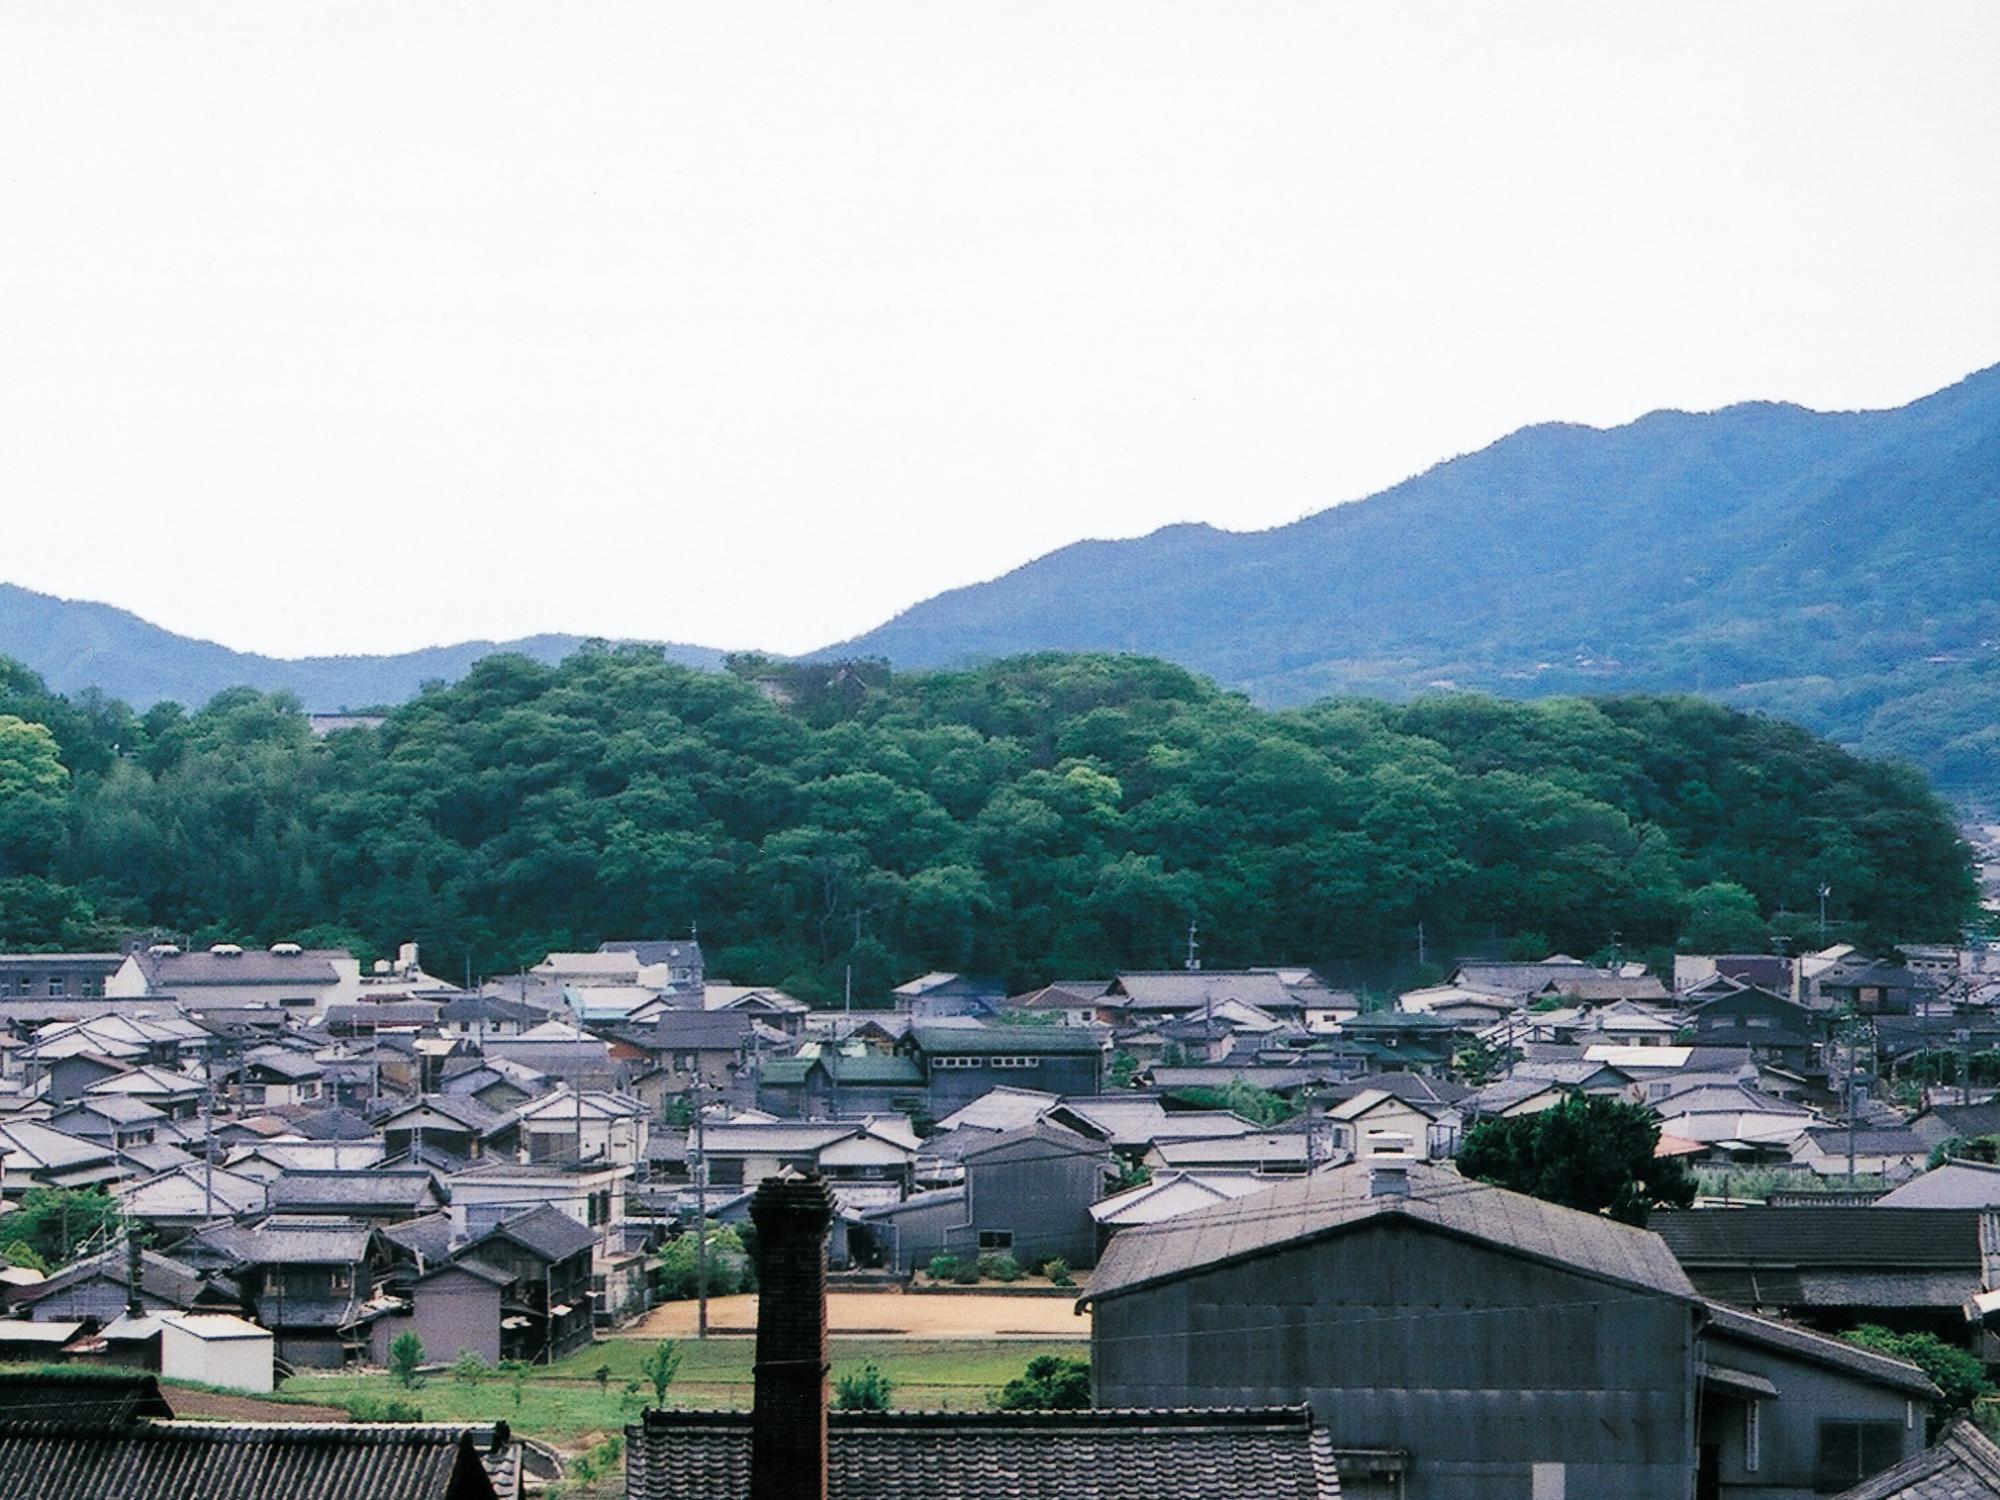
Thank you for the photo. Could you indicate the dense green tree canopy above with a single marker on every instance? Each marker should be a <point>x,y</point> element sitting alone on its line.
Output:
<point>1586,1153</point>
<point>1045,817</point>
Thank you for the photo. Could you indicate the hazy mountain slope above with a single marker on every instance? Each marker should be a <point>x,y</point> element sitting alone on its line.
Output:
<point>1812,562</point>
<point>75,644</point>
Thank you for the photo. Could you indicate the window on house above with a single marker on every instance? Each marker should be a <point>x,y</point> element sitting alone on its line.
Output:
<point>1752,1436</point>
<point>996,1239</point>
<point>726,1171</point>
<point>1850,1452</point>
<point>57,986</point>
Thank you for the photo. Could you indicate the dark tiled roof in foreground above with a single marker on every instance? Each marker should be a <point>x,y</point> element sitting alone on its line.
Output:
<point>88,1398</point>
<point>1962,1465</point>
<point>229,1461</point>
<point>1106,1455</point>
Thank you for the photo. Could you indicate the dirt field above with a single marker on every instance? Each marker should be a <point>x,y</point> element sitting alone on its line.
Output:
<point>961,1315</point>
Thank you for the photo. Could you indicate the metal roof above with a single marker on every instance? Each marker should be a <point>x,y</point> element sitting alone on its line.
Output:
<point>1045,1041</point>
<point>1325,1203</point>
<point>1892,1239</point>
<point>1788,1338</point>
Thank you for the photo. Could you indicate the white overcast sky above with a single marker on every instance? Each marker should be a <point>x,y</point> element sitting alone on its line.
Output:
<point>345,327</point>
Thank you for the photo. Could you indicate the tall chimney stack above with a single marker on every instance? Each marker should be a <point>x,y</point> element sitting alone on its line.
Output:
<point>788,1418</point>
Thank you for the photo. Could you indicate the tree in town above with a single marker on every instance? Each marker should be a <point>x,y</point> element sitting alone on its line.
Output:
<point>1959,1375</point>
<point>660,1368</point>
<point>1587,1153</point>
<point>406,1354</point>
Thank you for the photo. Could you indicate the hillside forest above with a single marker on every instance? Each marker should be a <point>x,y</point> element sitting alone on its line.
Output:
<point>1044,817</point>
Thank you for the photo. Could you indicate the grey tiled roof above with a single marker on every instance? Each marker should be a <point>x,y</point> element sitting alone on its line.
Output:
<point>547,1231</point>
<point>1956,1184</point>
<point>308,1192</point>
<point>1042,1041</point>
<point>1105,1455</point>
<point>1328,1202</point>
<point>155,1460</point>
<point>92,1398</point>
<point>1892,1239</point>
<point>1963,1464</point>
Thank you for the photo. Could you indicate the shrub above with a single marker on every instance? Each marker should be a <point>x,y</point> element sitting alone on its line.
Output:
<point>1053,1382</point>
<point>1001,1267</point>
<point>1057,1270</point>
<point>867,1389</point>
<point>943,1267</point>
<point>966,1272</point>
<point>469,1369</point>
<point>382,1409</point>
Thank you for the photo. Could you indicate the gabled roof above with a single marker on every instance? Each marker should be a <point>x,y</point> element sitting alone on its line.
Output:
<point>1191,989</point>
<point>462,1109</point>
<point>160,1277</point>
<point>285,1240</point>
<point>156,1460</point>
<point>547,1231</point>
<point>1001,1108</point>
<point>1964,1464</point>
<point>1231,1454</point>
<point>410,1191</point>
<point>175,971</point>
<point>1037,1142</point>
<point>1327,1203</point>
<point>1956,1184</point>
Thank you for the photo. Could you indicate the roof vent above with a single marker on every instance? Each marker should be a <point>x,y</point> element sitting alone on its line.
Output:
<point>226,950</point>
<point>164,950</point>
<point>287,950</point>
<point>1388,1178</point>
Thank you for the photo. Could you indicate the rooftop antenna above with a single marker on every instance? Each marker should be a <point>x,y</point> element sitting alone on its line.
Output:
<point>1193,961</point>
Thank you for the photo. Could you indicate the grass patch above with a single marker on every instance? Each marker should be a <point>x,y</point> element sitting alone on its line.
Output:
<point>563,1404</point>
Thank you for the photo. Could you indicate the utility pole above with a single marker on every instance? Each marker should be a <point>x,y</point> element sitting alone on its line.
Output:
<point>700,1165</point>
<point>1193,949</point>
<point>1423,946</point>
<point>208,1141</point>
<point>1825,890</point>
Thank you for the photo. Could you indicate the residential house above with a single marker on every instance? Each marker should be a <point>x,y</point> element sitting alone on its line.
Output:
<point>377,1195</point>
<point>1430,1128</point>
<point>1390,1297</point>
<point>178,1096</point>
<point>681,957</point>
<point>1944,1124</point>
<point>866,1163</point>
<point>311,1280</point>
<point>481,1016</point>
<point>33,1155</point>
<point>1955,1184</point>
<point>593,1194</point>
<point>1770,1026</point>
<point>180,1201</point>
<point>547,1302</point>
<point>940,994</point>
<point>111,1119</point>
<point>1894,1152</point>
<point>1169,1195</point>
<point>682,1049</point>
<point>1163,994</point>
<point>960,1063</point>
<point>1867,987</point>
<point>823,1081</point>
<point>98,1290</point>
<point>278,1076</point>
<point>1276,1153</point>
<point>455,1129</point>
<point>583,1125</point>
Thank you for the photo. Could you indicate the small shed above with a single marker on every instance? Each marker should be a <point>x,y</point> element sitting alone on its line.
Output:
<point>216,1349</point>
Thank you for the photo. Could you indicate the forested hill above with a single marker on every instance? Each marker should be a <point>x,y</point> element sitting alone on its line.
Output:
<point>75,644</point>
<point>1834,567</point>
<point>1045,817</point>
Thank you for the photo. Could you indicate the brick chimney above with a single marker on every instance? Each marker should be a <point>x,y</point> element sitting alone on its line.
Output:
<point>788,1418</point>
